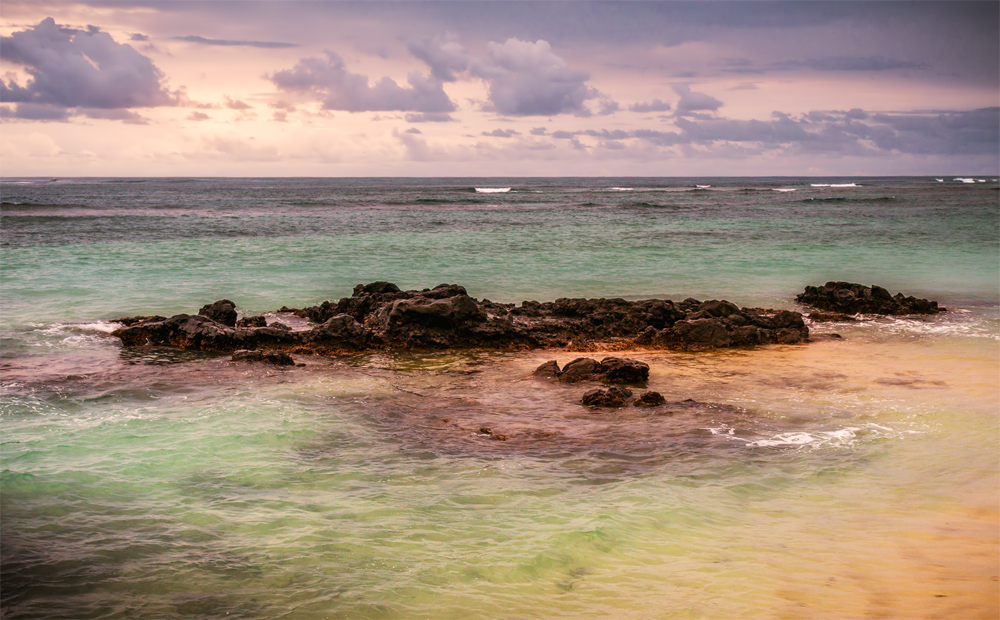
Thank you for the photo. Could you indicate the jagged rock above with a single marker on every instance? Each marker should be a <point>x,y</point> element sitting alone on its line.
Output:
<point>380,316</point>
<point>850,298</point>
<point>494,436</point>
<point>252,321</point>
<point>649,399</point>
<point>281,326</point>
<point>580,369</point>
<point>548,370</point>
<point>614,396</point>
<point>129,321</point>
<point>222,311</point>
<point>269,356</point>
<point>623,370</point>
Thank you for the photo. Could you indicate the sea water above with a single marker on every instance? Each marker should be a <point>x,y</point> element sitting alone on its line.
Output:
<point>843,478</point>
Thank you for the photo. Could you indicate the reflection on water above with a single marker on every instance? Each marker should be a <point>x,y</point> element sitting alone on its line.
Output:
<point>795,481</point>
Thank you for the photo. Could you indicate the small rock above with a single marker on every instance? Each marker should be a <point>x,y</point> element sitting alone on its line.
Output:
<point>270,356</point>
<point>624,370</point>
<point>222,311</point>
<point>548,370</point>
<point>649,399</point>
<point>580,369</point>
<point>612,397</point>
<point>494,436</point>
<point>252,321</point>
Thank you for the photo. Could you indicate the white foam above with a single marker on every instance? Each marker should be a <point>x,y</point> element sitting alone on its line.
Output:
<point>964,180</point>
<point>619,189</point>
<point>492,190</point>
<point>782,189</point>
<point>939,180</point>
<point>844,185</point>
<point>703,186</point>
<point>820,184</point>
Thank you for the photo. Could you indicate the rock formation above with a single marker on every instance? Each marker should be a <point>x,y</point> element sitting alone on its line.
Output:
<point>380,316</point>
<point>849,298</point>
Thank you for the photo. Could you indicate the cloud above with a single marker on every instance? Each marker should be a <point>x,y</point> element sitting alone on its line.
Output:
<point>428,117</point>
<point>71,68</point>
<point>850,63</point>
<point>529,79</point>
<point>538,131</point>
<point>691,101</point>
<point>198,116</point>
<point>653,106</point>
<point>444,56</point>
<point>501,133</point>
<point>226,42</point>
<point>136,36</point>
<point>413,130</point>
<point>329,80</point>
<point>236,104</point>
<point>34,112</point>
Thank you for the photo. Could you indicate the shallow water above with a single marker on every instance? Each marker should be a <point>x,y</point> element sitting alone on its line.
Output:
<point>848,478</point>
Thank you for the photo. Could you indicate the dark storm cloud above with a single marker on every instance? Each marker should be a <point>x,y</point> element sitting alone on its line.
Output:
<point>228,43</point>
<point>73,68</point>
<point>34,112</point>
<point>338,89</point>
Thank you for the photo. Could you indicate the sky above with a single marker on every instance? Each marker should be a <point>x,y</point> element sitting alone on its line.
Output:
<point>288,88</point>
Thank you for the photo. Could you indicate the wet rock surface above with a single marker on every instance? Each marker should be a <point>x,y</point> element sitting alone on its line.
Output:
<point>269,356</point>
<point>381,317</point>
<point>851,298</point>
<point>612,397</point>
<point>649,399</point>
<point>622,371</point>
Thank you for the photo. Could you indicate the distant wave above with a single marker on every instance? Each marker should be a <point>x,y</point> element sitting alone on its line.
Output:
<point>782,189</point>
<point>492,190</point>
<point>834,185</point>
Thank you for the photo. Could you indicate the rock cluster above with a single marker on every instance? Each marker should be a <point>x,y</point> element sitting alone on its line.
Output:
<point>380,316</point>
<point>850,298</point>
<point>267,356</point>
<point>620,370</point>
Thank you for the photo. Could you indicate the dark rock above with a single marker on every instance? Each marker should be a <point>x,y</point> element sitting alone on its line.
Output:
<point>280,326</point>
<point>580,369</point>
<point>649,399</point>
<point>380,316</point>
<point>623,370</point>
<point>252,321</point>
<point>851,298</point>
<point>614,396</point>
<point>269,356</point>
<point>129,321</point>
<point>222,311</point>
<point>548,370</point>
<point>494,436</point>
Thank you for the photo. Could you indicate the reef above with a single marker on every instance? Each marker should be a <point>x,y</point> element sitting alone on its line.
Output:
<point>381,317</point>
<point>845,298</point>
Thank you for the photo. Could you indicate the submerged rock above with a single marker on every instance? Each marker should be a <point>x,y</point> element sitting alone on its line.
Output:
<point>649,399</point>
<point>850,298</point>
<point>269,356</point>
<point>830,317</point>
<point>380,316</point>
<point>612,397</point>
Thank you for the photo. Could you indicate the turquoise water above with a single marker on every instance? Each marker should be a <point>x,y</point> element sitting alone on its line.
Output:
<point>839,479</point>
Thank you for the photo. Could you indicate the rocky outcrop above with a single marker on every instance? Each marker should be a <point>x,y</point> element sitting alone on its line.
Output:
<point>614,396</point>
<point>222,311</point>
<point>850,298</point>
<point>623,371</point>
<point>380,316</point>
<point>268,356</point>
<point>649,399</point>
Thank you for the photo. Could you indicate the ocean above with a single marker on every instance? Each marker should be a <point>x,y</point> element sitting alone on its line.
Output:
<point>843,478</point>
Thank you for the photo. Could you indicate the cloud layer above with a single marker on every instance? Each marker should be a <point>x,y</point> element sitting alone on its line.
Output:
<point>71,68</point>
